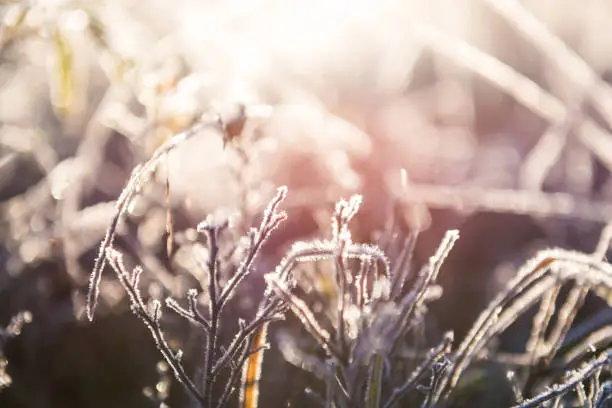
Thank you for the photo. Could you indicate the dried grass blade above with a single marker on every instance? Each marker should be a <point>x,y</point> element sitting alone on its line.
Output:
<point>374,388</point>
<point>249,396</point>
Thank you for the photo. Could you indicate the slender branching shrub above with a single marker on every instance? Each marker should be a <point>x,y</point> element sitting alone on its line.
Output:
<point>237,358</point>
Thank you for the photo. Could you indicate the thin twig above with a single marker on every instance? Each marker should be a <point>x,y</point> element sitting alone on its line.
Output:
<point>591,368</point>
<point>433,355</point>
